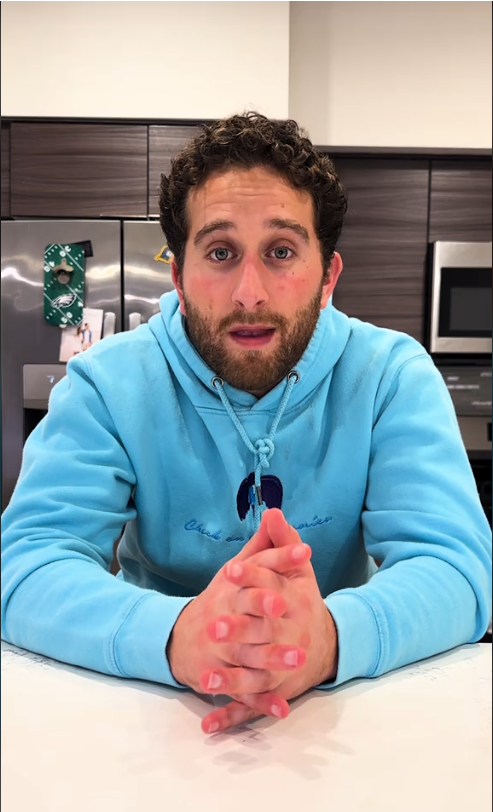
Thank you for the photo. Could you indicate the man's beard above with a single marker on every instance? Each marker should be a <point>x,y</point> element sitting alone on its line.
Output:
<point>255,371</point>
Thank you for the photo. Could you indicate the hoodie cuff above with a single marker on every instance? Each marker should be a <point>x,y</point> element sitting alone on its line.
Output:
<point>359,637</point>
<point>139,645</point>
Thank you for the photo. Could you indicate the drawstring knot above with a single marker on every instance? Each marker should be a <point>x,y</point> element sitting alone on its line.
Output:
<point>263,450</point>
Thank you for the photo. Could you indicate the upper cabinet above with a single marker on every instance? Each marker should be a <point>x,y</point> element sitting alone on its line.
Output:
<point>397,205</point>
<point>5,170</point>
<point>165,142</point>
<point>78,170</point>
<point>383,243</point>
<point>460,201</point>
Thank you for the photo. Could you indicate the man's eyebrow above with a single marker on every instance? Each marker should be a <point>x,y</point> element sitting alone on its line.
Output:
<point>227,225</point>
<point>215,225</point>
<point>300,230</point>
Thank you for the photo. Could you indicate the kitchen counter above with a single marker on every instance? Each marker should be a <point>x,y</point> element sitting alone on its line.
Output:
<point>416,739</point>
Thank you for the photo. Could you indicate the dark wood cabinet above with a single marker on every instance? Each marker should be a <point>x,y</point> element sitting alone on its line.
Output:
<point>78,170</point>
<point>5,170</point>
<point>383,244</point>
<point>397,204</point>
<point>164,143</point>
<point>460,201</point>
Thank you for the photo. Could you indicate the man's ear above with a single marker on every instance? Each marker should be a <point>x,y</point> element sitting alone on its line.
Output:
<point>333,274</point>
<point>177,282</point>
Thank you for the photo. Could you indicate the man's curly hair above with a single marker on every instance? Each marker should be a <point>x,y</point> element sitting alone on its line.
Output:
<point>248,141</point>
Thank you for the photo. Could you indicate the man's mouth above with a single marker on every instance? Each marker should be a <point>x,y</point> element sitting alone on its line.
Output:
<point>252,337</point>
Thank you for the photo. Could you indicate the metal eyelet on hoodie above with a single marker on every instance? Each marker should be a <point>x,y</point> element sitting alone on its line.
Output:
<point>217,382</point>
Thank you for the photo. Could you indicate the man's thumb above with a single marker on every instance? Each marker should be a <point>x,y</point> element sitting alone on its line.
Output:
<point>258,543</point>
<point>279,531</point>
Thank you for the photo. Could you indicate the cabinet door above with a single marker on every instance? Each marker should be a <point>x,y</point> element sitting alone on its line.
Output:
<point>383,244</point>
<point>78,170</point>
<point>164,143</point>
<point>5,170</point>
<point>460,201</point>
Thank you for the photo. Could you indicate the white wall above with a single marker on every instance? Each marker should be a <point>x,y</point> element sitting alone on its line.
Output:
<point>144,59</point>
<point>403,74</point>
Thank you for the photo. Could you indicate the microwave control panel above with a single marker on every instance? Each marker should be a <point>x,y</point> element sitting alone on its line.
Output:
<point>470,389</point>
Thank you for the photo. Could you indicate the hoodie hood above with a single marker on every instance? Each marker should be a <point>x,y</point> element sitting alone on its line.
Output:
<point>317,362</point>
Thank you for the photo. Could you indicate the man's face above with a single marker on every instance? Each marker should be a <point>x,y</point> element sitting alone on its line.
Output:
<point>252,285</point>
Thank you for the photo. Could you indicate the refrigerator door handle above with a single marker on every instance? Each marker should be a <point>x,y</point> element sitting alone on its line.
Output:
<point>134,320</point>
<point>109,324</point>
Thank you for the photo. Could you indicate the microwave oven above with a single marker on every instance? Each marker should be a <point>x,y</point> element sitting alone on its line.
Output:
<point>460,307</point>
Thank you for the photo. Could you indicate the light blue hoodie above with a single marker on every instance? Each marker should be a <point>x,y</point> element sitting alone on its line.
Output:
<point>371,462</point>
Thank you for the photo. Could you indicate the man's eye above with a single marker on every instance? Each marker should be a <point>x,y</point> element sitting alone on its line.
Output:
<point>282,252</point>
<point>219,254</point>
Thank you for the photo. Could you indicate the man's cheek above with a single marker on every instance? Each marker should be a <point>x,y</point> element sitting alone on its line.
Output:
<point>293,288</point>
<point>305,639</point>
<point>206,295</point>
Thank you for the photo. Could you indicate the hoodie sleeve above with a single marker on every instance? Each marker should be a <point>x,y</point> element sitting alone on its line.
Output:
<point>71,502</point>
<point>424,521</point>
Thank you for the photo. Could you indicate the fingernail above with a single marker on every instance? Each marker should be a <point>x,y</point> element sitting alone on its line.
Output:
<point>291,658</point>
<point>215,681</point>
<point>213,727</point>
<point>222,629</point>
<point>276,711</point>
<point>235,570</point>
<point>298,552</point>
<point>268,604</point>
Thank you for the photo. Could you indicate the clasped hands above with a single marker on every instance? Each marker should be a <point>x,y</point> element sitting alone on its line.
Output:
<point>259,633</point>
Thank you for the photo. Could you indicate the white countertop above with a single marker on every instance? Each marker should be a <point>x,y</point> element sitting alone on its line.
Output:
<point>416,740</point>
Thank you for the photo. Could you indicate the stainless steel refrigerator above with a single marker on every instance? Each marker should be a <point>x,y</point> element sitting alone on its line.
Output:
<point>125,277</point>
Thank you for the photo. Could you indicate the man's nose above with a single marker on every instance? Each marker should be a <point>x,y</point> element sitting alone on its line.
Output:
<point>250,291</point>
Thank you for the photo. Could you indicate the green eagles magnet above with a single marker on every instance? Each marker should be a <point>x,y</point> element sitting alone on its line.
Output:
<point>64,281</point>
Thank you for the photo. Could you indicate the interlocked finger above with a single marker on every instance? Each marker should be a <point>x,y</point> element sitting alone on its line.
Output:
<point>259,602</point>
<point>231,715</point>
<point>268,704</point>
<point>239,681</point>
<point>240,711</point>
<point>260,570</point>
<point>269,657</point>
<point>245,573</point>
<point>255,630</point>
<point>283,559</point>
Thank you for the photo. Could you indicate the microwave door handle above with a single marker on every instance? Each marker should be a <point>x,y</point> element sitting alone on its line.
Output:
<point>109,324</point>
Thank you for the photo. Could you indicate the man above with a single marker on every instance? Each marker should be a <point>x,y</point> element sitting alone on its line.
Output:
<point>261,450</point>
<point>86,337</point>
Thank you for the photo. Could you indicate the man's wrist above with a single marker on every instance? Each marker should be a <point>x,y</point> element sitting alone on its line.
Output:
<point>170,654</point>
<point>173,654</point>
<point>332,651</point>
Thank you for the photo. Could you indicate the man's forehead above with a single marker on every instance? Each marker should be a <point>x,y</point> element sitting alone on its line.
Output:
<point>228,196</point>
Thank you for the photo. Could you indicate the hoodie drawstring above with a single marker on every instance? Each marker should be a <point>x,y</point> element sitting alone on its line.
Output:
<point>263,449</point>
